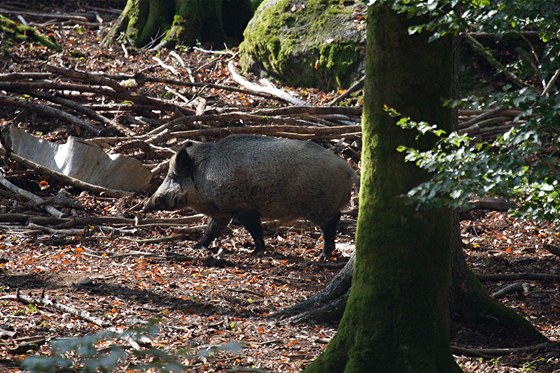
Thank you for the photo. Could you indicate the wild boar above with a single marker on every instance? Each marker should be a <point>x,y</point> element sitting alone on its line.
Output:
<point>249,177</point>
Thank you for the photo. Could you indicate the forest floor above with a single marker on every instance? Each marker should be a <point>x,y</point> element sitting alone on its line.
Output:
<point>211,313</point>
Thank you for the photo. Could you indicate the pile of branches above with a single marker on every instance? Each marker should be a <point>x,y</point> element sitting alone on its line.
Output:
<point>486,124</point>
<point>99,104</point>
<point>113,112</point>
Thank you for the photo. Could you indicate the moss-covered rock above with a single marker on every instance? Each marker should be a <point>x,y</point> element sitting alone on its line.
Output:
<point>317,43</point>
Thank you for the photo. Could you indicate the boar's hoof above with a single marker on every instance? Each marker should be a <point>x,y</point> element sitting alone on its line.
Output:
<point>199,246</point>
<point>258,253</point>
<point>325,257</point>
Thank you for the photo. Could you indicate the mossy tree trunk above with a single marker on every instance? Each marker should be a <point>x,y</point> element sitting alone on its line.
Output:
<point>471,305</point>
<point>14,32</point>
<point>151,22</point>
<point>396,318</point>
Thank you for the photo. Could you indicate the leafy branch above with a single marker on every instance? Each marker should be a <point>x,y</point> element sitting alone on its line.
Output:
<point>520,165</point>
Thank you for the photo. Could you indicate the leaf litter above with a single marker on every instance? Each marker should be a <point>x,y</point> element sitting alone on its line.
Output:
<point>214,310</point>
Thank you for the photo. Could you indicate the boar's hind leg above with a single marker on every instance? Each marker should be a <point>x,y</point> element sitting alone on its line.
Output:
<point>252,222</point>
<point>329,234</point>
<point>213,230</point>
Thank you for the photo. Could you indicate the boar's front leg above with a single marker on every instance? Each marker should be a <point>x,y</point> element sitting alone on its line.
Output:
<point>215,227</point>
<point>251,220</point>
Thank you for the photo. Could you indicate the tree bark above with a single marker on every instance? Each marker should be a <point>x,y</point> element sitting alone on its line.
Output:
<point>149,22</point>
<point>470,303</point>
<point>396,318</point>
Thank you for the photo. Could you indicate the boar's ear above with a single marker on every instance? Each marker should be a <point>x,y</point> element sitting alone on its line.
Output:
<point>184,164</point>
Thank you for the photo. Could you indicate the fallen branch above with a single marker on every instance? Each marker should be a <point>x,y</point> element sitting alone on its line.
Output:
<point>68,222</point>
<point>310,110</point>
<point>475,44</point>
<point>518,276</point>
<point>78,231</point>
<point>489,352</point>
<point>104,86</point>
<point>175,237</point>
<point>10,77</point>
<point>26,299</point>
<point>97,79</point>
<point>511,288</point>
<point>84,17</point>
<point>49,111</point>
<point>30,196</point>
<point>477,127</point>
<point>59,86</point>
<point>12,30</point>
<point>483,115</point>
<point>143,78</point>
<point>353,88</point>
<point>550,83</point>
<point>284,96</point>
<point>300,132</point>
<point>84,110</point>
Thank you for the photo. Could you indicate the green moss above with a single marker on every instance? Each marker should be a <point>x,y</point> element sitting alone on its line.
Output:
<point>338,62</point>
<point>182,21</point>
<point>303,47</point>
<point>396,316</point>
<point>17,31</point>
<point>274,46</point>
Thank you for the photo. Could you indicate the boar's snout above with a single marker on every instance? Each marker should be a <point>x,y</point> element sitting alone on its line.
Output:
<point>151,204</point>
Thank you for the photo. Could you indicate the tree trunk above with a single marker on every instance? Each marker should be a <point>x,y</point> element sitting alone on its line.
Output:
<point>148,22</point>
<point>470,303</point>
<point>396,318</point>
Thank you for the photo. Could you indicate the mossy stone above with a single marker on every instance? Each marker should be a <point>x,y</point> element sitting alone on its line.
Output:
<point>313,43</point>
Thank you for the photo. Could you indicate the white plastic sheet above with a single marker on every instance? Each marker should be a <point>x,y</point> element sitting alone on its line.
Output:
<point>86,163</point>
